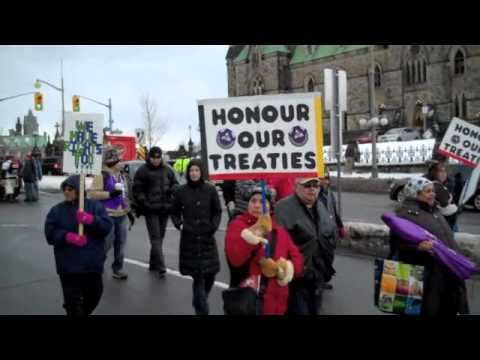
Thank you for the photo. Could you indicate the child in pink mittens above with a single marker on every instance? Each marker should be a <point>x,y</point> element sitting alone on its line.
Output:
<point>79,259</point>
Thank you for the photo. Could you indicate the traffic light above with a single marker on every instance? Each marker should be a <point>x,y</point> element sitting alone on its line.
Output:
<point>38,101</point>
<point>76,103</point>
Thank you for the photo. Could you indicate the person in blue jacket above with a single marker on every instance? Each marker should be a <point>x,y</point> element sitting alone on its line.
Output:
<point>79,259</point>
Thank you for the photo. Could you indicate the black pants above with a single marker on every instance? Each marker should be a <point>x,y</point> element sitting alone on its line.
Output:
<point>81,293</point>
<point>156,226</point>
<point>305,296</point>
<point>202,284</point>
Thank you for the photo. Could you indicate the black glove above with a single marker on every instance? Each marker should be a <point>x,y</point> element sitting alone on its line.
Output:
<point>115,193</point>
<point>131,218</point>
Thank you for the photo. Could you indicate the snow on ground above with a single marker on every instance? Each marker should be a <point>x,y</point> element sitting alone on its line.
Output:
<point>52,183</point>
<point>367,175</point>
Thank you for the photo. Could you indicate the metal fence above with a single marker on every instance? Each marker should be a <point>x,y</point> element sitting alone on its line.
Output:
<point>396,153</point>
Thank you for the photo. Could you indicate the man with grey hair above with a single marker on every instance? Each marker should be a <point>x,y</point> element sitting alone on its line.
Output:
<point>312,230</point>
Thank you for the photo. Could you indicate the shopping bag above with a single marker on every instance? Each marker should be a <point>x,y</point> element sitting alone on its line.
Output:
<point>398,287</point>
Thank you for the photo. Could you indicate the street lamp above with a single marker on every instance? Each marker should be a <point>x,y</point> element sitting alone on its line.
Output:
<point>38,84</point>
<point>372,124</point>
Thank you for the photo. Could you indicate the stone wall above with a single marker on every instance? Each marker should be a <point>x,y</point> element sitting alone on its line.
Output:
<point>373,240</point>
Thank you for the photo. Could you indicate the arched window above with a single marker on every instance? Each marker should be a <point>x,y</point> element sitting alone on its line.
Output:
<point>378,76</point>
<point>424,71</point>
<point>257,86</point>
<point>464,106</point>
<point>310,85</point>
<point>456,111</point>
<point>459,63</point>
<point>408,74</point>
<point>414,77</point>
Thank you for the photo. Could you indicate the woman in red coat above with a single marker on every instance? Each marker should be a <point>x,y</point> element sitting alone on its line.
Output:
<point>244,247</point>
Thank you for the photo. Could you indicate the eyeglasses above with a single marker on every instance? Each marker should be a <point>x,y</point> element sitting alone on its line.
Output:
<point>312,185</point>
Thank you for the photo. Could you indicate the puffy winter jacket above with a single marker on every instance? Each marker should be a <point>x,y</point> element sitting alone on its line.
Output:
<point>238,252</point>
<point>153,188</point>
<point>70,259</point>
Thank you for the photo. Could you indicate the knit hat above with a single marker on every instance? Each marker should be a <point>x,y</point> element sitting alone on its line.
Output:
<point>258,190</point>
<point>111,157</point>
<point>155,152</point>
<point>414,186</point>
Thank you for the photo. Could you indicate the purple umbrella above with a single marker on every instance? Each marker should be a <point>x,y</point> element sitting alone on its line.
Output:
<point>415,234</point>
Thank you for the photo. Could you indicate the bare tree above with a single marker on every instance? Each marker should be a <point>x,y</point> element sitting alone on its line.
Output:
<point>155,127</point>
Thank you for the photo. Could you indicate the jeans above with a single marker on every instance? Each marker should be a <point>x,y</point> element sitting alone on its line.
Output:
<point>156,226</point>
<point>118,238</point>
<point>81,293</point>
<point>31,191</point>
<point>202,284</point>
<point>305,296</point>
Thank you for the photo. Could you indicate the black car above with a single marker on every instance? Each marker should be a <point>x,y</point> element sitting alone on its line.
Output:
<point>52,165</point>
<point>457,173</point>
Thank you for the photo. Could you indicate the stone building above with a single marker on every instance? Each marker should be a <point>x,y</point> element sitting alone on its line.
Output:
<point>445,79</point>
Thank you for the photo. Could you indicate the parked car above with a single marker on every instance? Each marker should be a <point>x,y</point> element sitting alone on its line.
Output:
<point>396,188</point>
<point>400,134</point>
<point>52,165</point>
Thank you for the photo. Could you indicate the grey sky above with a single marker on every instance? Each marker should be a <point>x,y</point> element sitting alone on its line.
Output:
<point>175,76</point>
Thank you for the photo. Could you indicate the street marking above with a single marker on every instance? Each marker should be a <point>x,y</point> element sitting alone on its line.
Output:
<point>14,225</point>
<point>218,284</point>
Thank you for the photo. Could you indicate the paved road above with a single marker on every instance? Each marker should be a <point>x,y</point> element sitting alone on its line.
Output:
<point>29,284</point>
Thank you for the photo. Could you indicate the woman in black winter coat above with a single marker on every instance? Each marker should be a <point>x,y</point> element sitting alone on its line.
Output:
<point>443,292</point>
<point>196,212</point>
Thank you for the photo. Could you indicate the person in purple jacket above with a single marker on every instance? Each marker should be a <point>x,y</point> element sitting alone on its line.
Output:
<point>110,189</point>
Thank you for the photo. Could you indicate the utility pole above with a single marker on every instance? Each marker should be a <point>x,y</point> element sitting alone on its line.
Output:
<point>371,86</point>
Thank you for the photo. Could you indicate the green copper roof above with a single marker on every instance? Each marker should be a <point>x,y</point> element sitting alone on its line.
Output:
<point>264,49</point>
<point>321,51</point>
<point>22,142</point>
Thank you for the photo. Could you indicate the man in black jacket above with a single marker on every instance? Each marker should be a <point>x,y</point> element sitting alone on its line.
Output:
<point>153,187</point>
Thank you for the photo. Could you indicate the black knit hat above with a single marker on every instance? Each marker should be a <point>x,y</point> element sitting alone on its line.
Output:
<point>155,152</point>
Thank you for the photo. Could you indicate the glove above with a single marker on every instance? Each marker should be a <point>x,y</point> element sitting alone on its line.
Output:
<point>251,238</point>
<point>115,193</point>
<point>75,239</point>
<point>231,206</point>
<point>84,217</point>
<point>285,271</point>
<point>263,225</point>
<point>269,267</point>
<point>131,218</point>
<point>343,232</point>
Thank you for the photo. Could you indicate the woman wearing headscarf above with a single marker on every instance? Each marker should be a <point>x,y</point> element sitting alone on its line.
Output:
<point>443,293</point>
<point>244,246</point>
<point>197,212</point>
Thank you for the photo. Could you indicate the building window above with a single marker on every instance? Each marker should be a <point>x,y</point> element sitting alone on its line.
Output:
<point>310,85</point>
<point>424,71</point>
<point>414,78</point>
<point>459,63</point>
<point>257,86</point>
<point>378,76</point>
<point>456,111</point>
<point>464,106</point>
<point>408,74</point>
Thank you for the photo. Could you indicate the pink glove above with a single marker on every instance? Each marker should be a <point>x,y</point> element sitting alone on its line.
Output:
<point>84,217</point>
<point>75,239</point>
<point>343,232</point>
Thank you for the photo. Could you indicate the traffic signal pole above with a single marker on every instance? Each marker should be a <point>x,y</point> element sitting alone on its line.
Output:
<point>15,96</point>
<point>109,106</point>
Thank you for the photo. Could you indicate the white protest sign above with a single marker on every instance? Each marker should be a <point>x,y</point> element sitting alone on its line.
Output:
<point>462,142</point>
<point>262,136</point>
<point>83,143</point>
<point>470,187</point>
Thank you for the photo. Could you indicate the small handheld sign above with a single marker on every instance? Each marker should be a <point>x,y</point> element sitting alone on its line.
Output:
<point>83,149</point>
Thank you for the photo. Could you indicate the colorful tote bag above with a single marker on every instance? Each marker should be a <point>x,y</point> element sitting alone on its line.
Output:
<point>398,287</point>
